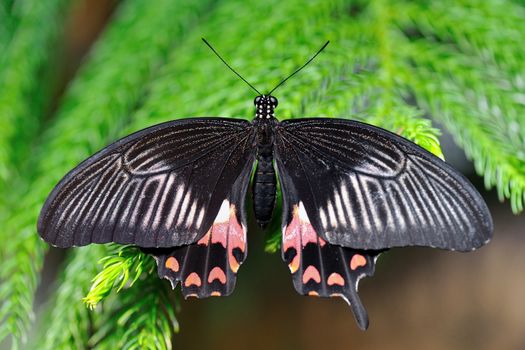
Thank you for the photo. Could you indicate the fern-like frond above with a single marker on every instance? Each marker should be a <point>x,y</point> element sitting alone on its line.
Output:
<point>122,268</point>
<point>143,317</point>
<point>26,57</point>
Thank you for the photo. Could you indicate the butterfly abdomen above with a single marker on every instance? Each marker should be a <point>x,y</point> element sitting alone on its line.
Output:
<point>264,180</point>
<point>264,187</point>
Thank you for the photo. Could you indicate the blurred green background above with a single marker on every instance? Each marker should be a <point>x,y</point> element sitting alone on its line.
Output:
<point>75,75</point>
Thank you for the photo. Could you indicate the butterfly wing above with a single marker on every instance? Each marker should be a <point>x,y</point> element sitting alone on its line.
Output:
<point>160,187</point>
<point>209,266</point>
<point>319,268</point>
<point>351,190</point>
<point>366,188</point>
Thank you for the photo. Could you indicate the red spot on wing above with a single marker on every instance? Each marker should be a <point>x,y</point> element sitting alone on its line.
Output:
<point>297,235</point>
<point>230,235</point>
<point>172,264</point>
<point>217,274</point>
<point>357,261</point>
<point>311,273</point>
<point>205,240</point>
<point>236,239</point>
<point>335,278</point>
<point>193,280</point>
<point>219,233</point>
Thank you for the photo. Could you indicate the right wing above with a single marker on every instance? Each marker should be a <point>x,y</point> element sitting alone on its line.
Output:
<point>160,187</point>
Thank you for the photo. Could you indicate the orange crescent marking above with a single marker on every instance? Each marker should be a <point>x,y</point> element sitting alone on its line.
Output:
<point>192,295</point>
<point>313,293</point>
<point>193,279</point>
<point>217,274</point>
<point>357,261</point>
<point>215,294</point>
<point>234,264</point>
<point>335,278</point>
<point>172,264</point>
<point>311,273</point>
<point>294,265</point>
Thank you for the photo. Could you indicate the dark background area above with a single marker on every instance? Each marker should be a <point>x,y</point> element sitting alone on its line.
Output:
<point>419,297</point>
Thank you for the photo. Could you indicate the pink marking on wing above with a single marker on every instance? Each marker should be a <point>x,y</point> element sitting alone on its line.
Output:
<point>205,240</point>
<point>299,233</point>
<point>193,279</point>
<point>335,278</point>
<point>219,233</point>
<point>217,274</point>
<point>311,273</point>
<point>308,234</point>
<point>357,261</point>
<point>236,239</point>
<point>292,234</point>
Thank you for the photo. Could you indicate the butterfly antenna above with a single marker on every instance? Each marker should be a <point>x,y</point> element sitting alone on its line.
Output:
<point>298,69</point>
<point>227,65</point>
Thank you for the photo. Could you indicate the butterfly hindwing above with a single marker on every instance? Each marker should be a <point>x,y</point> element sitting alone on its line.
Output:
<point>322,269</point>
<point>160,187</point>
<point>209,267</point>
<point>366,188</point>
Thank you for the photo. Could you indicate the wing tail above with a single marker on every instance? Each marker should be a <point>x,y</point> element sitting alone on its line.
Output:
<point>322,269</point>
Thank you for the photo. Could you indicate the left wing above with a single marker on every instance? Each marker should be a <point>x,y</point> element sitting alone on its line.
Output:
<point>159,187</point>
<point>366,188</point>
<point>209,267</point>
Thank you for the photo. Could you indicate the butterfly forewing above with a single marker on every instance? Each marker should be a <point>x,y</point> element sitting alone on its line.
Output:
<point>366,188</point>
<point>160,187</point>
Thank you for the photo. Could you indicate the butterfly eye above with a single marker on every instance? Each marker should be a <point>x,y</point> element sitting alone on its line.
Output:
<point>257,100</point>
<point>274,101</point>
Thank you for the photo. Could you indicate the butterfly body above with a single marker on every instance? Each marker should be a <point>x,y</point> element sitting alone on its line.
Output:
<point>265,180</point>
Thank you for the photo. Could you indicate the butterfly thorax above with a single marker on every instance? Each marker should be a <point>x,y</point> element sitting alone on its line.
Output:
<point>264,107</point>
<point>264,180</point>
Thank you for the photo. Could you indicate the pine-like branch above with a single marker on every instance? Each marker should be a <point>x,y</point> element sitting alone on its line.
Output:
<point>121,268</point>
<point>143,317</point>
<point>26,56</point>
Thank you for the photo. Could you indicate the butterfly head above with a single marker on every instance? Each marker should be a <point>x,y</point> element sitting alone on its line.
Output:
<point>264,106</point>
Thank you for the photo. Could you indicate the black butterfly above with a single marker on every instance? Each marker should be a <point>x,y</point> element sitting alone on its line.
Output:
<point>350,191</point>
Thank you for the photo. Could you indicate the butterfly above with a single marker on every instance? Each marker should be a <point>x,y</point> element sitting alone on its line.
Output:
<point>349,190</point>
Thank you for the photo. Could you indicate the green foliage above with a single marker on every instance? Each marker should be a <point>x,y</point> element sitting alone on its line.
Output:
<point>143,317</point>
<point>24,63</point>
<point>67,322</point>
<point>123,266</point>
<point>391,64</point>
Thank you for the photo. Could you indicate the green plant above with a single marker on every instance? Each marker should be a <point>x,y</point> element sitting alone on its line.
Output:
<point>391,64</point>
